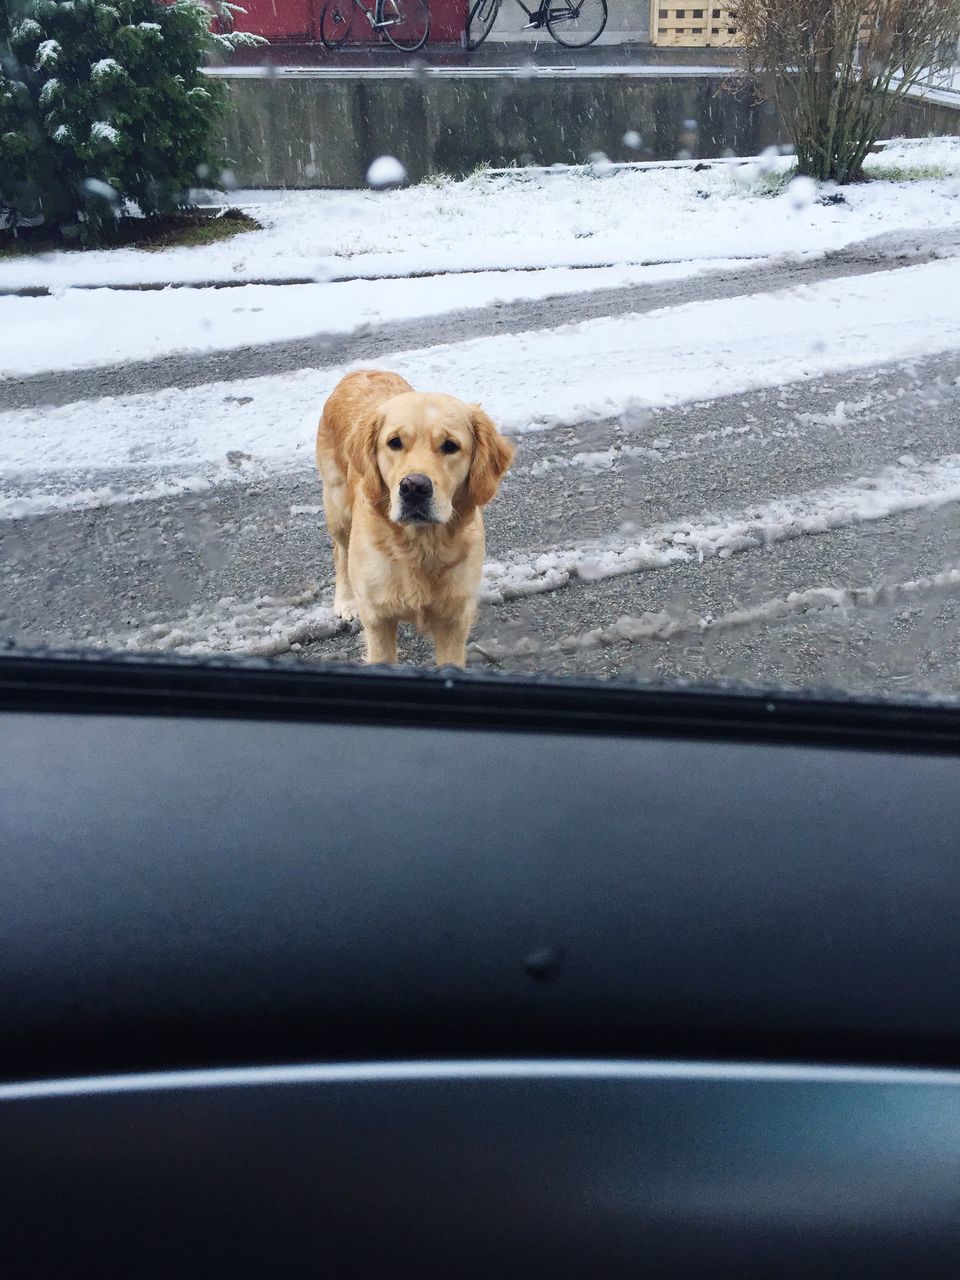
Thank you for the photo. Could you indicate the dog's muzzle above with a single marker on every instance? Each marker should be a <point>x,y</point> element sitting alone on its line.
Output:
<point>416,500</point>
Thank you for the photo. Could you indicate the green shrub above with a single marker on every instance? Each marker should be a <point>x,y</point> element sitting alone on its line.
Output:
<point>103,103</point>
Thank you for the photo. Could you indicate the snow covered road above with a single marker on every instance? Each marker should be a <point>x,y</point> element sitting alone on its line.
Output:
<point>826,525</point>
<point>186,440</point>
<point>739,474</point>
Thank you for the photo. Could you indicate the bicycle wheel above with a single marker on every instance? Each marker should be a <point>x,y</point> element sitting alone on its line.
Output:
<point>576,23</point>
<point>336,23</point>
<point>482,17</point>
<point>405,23</point>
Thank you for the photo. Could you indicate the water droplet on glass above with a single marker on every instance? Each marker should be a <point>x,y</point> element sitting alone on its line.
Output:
<point>802,191</point>
<point>635,417</point>
<point>101,190</point>
<point>386,172</point>
<point>768,160</point>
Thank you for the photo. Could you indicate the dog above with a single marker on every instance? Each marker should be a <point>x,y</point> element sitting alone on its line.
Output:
<point>405,475</point>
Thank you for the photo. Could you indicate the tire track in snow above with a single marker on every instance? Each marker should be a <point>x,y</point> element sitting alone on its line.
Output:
<point>611,366</point>
<point>271,626</point>
<point>379,342</point>
<point>906,486</point>
<point>664,625</point>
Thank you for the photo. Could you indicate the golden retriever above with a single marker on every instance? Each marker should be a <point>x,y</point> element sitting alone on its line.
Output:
<point>405,474</point>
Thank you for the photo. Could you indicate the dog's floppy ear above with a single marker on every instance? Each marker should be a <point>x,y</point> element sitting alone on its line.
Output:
<point>362,456</point>
<point>492,454</point>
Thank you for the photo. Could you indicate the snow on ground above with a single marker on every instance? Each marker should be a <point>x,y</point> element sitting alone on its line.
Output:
<point>908,486</point>
<point>574,374</point>
<point>270,625</point>
<point>664,624</point>
<point>173,442</point>
<point>76,329</point>
<point>591,216</point>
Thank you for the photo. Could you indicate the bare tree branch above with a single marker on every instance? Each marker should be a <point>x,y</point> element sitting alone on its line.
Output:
<point>838,69</point>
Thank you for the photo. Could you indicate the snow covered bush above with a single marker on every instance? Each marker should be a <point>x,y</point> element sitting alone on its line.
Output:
<point>102,102</point>
<point>840,68</point>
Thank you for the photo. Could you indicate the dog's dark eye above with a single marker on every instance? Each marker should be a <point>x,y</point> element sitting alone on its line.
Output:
<point>394,443</point>
<point>449,446</point>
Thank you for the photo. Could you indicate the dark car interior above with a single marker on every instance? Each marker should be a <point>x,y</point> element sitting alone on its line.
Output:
<point>374,974</point>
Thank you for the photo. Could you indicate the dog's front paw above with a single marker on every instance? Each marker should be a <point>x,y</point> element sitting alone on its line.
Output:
<point>346,610</point>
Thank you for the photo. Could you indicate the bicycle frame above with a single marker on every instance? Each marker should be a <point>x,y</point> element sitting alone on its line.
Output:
<point>375,15</point>
<point>538,16</point>
<point>545,13</point>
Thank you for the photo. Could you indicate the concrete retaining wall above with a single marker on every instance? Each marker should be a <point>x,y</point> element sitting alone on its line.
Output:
<point>923,120</point>
<point>323,130</point>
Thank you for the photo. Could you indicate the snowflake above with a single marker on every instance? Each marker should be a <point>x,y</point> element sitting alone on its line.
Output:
<point>149,26</point>
<point>101,131</point>
<point>62,134</point>
<point>48,53</point>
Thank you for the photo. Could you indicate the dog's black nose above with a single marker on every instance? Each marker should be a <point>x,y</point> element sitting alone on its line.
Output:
<point>416,487</point>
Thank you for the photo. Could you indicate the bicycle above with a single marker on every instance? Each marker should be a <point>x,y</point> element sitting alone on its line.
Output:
<point>405,23</point>
<point>573,23</point>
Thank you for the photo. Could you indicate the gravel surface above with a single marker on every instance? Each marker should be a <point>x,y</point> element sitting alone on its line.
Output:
<point>869,607</point>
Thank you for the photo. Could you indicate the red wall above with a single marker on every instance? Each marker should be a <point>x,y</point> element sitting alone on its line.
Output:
<point>278,19</point>
<point>299,20</point>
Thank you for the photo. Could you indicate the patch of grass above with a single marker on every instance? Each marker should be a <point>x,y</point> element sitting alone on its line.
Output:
<point>356,248</point>
<point>443,179</point>
<point>20,246</point>
<point>906,172</point>
<point>173,231</point>
<point>204,230</point>
<point>775,183</point>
